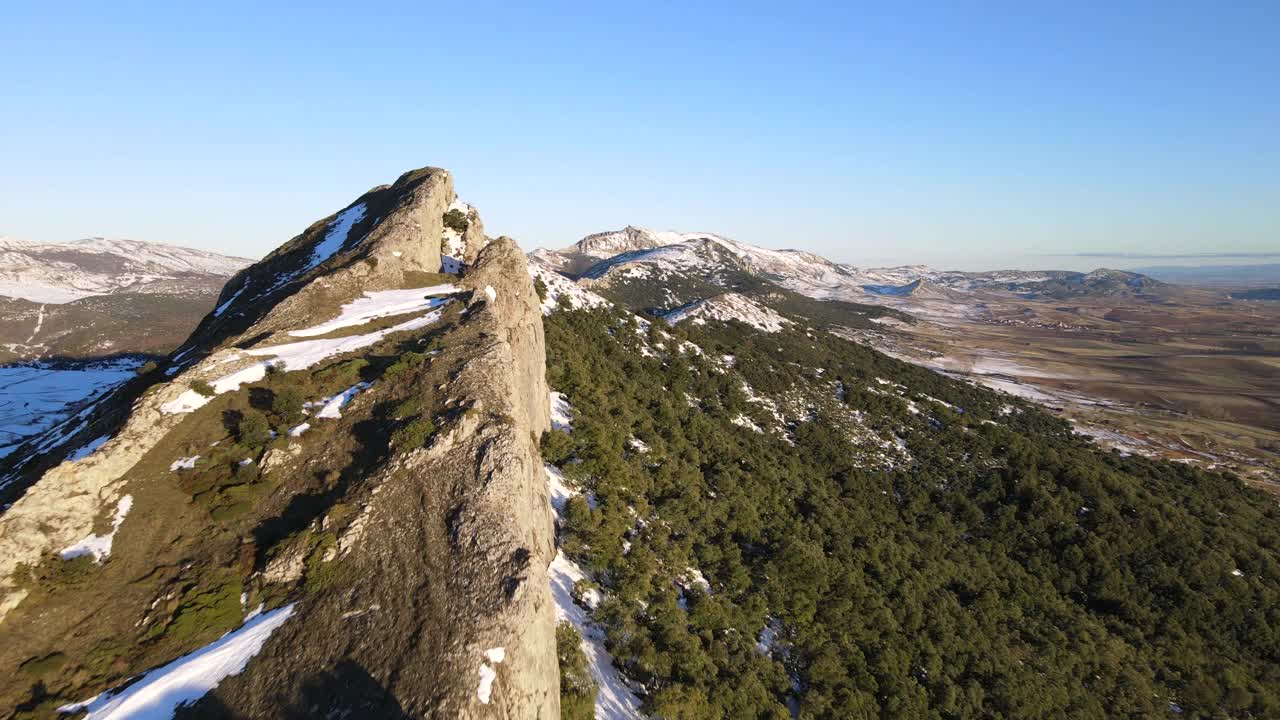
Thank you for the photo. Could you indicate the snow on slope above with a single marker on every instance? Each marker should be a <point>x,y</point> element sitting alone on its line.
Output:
<point>379,304</point>
<point>289,356</point>
<point>726,307</point>
<point>159,693</point>
<point>60,273</point>
<point>335,237</point>
<point>615,699</point>
<point>560,286</point>
<point>34,398</point>
<point>704,254</point>
<point>99,546</point>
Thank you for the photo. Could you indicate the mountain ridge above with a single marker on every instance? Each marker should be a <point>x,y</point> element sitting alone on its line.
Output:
<point>63,272</point>
<point>598,255</point>
<point>349,439</point>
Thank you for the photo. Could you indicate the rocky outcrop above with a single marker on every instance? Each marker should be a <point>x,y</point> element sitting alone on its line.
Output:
<point>417,573</point>
<point>473,238</point>
<point>387,234</point>
<point>452,549</point>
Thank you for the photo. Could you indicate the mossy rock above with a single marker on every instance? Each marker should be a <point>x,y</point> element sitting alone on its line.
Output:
<point>322,574</point>
<point>206,614</point>
<point>43,666</point>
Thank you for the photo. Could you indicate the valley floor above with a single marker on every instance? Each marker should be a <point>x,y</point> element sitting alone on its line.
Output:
<point>1196,382</point>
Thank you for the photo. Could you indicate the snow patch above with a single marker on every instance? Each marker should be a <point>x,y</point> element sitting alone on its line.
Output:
<point>726,307</point>
<point>99,546</point>
<point>768,638</point>
<point>292,356</point>
<point>159,693</point>
<point>743,421</point>
<point>615,700</point>
<point>379,304</point>
<point>332,408</point>
<point>557,487</point>
<point>217,312</point>
<point>186,463</point>
<point>561,412</point>
<point>493,656</point>
<point>336,237</point>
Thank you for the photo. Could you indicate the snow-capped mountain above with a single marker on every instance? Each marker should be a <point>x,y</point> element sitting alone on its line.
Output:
<point>614,242</point>
<point>677,260</point>
<point>63,272</point>
<point>605,245</point>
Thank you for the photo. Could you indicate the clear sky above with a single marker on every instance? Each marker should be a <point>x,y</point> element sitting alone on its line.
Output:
<point>961,135</point>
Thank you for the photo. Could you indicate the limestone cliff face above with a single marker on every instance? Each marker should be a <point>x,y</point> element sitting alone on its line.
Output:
<point>453,548</point>
<point>418,573</point>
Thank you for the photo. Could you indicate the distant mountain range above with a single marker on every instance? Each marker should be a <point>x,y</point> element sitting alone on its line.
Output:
<point>63,272</point>
<point>86,298</point>
<point>687,265</point>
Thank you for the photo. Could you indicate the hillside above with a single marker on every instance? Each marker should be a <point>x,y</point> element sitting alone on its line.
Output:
<point>782,523</point>
<point>85,298</point>
<point>329,497</point>
<point>77,318</point>
<point>59,273</point>
<point>401,469</point>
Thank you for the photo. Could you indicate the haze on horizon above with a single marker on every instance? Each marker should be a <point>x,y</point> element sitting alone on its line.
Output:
<point>968,138</point>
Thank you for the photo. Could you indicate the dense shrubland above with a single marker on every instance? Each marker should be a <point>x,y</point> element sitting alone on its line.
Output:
<point>1009,569</point>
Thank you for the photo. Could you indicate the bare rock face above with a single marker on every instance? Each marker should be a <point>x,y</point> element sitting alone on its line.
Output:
<point>416,569</point>
<point>518,313</point>
<point>474,239</point>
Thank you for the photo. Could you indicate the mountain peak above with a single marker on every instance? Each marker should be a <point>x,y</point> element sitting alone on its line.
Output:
<point>380,240</point>
<point>628,239</point>
<point>348,442</point>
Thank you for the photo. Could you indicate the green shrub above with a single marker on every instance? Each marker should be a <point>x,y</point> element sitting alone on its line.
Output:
<point>404,364</point>
<point>203,388</point>
<point>406,408</point>
<point>247,472</point>
<point>577,687</point>
<point>540,287</point>
<point>348,371</point>
<point>287,403</point>
<point>148,367</point>
<point>338,514</point>
<point>557,446</point>
<point>415,434</point>
<point>253,430</point>
<point>456,220</point>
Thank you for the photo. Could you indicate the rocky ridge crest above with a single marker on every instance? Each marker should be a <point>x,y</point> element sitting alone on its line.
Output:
<point>439,549</point>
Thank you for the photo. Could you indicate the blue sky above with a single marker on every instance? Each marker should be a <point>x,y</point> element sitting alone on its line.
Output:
<point>961,135</point>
